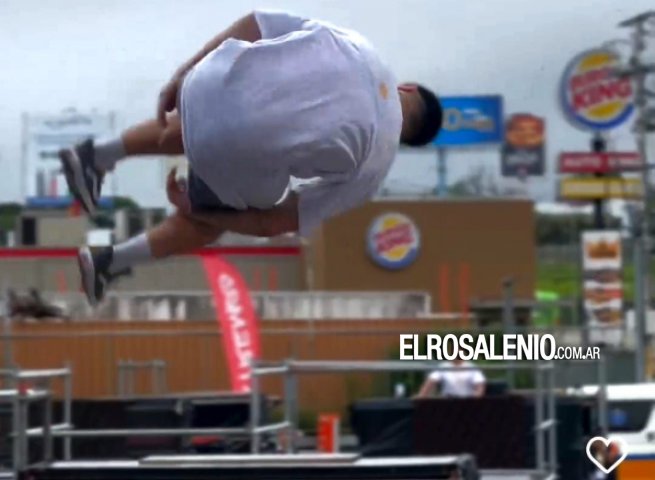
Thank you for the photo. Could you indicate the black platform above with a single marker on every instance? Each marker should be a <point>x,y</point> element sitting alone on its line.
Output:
<point>263,467</point>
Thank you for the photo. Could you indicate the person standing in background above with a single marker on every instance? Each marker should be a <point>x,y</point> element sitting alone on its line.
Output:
<point>465,381</point>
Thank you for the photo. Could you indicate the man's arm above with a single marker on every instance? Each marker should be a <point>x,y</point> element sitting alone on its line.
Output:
<point>430,384</point>
<point>283,218</point>
<point>427,388</point>
<point>479,384</point>
<point>252,27</point>
<point>246,28</point>
<point>479,390</point>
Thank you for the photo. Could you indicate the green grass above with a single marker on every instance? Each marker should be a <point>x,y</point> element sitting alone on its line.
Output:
<point>564,278</point>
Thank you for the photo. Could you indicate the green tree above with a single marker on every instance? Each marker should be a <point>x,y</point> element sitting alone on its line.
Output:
<point>9,212</point>
<point>559,229</point>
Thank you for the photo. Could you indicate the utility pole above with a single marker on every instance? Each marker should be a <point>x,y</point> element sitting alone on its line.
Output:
<point>599,145</point>
<point>645,123</point>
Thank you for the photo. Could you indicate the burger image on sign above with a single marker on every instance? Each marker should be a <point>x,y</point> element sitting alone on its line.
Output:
<point>592,96</point>
<point>525,131</point>
<point>393,241</point>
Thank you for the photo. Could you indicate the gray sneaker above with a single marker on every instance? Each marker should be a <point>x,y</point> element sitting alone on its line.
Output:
<point>94,263</point>
<point>83,178</point>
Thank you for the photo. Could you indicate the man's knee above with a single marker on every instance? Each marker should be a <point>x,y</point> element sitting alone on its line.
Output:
<point>208,232</point>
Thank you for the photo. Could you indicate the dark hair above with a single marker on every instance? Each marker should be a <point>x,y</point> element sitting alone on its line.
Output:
<point>430,122</point>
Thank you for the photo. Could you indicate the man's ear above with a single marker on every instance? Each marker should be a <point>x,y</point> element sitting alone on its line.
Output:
<point>408,88</point>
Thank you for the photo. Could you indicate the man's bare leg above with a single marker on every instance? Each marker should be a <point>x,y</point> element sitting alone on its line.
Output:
<point>177,234</point>
<point>147,138</point>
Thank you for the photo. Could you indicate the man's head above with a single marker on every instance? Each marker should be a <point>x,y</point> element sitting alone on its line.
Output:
<point>422,115</point>
<point>458,360</point>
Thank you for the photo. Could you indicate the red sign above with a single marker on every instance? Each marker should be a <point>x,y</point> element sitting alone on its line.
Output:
<point>328,433</point>
<point>236,317</point>
<point>590,162</point>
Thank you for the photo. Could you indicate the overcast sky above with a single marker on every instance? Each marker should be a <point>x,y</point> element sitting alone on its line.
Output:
<point>114,55</point>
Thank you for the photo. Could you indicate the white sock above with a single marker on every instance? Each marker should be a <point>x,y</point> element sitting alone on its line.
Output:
<point>108,153</point>
<point>129,253</point>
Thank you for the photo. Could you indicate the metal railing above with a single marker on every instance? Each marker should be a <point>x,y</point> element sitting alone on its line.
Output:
<point>21,433</point>
<point>185,305</point>
<point>128,369</point>
<point>545,428</point>
<point>545,423</point>
<point>21,396</point>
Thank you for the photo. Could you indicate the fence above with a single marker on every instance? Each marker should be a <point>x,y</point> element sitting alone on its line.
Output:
<point>199,305</point>
<point>20,396</point>
<point>128,370</point>
<point>96,349</point>
<point>545,424</point>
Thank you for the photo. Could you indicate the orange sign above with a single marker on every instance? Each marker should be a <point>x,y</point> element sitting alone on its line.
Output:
<point>328,433</point>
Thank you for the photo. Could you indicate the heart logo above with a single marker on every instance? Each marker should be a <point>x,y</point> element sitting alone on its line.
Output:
<point>607,441</point>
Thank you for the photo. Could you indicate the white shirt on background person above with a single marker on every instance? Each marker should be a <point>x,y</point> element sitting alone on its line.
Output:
<point>458,383</point>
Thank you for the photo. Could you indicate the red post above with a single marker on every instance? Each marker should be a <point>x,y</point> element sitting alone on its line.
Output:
<point>257,279</point>
<point>272,278</point>
<point>444,290</point>
<point>464,288</point>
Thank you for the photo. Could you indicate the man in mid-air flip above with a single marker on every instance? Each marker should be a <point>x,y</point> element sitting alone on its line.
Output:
<point>273,97</point>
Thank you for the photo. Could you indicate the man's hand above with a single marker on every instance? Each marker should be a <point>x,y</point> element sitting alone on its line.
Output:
<point>169,95</point>
<point>176,191</point>
<point>171,136</point>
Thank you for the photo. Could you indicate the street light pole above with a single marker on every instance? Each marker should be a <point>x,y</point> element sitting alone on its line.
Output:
<point>639,72</point>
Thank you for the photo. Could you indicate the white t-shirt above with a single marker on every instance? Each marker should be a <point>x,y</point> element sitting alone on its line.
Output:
<point>308,101</point>
<point>458,383</point>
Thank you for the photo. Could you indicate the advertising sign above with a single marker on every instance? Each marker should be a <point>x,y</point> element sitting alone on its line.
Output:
<point>592,97</point>
<point>523,150</point>
<point>236,318</point>
<point>600,188</point>
<point>602,263</point>
<point>44,136</point>
<point>590,162</point>
<point>471,120</point>
<point>393,241</point>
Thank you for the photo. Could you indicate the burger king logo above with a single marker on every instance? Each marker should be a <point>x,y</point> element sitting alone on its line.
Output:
<point>393,241</point>
<point>592,97</point>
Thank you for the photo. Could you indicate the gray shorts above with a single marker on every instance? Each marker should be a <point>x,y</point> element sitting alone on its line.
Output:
<point>201,197</point>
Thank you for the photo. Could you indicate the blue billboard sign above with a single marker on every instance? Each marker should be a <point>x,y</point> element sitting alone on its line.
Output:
<point>471,120</point>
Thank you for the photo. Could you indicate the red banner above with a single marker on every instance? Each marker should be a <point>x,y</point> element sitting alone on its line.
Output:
<point>607,162</point>
<point>236,317</point>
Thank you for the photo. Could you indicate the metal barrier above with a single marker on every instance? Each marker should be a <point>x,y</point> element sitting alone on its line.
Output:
<point>128,369</point>
<point>545,428</point>
<point>195,305</point>
<point>545,423</point>
<point>21,397</point>
<point>21,433</point>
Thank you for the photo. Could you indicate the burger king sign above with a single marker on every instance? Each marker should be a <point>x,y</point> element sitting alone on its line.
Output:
<point>593,98</point>
<point>393,241</point>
